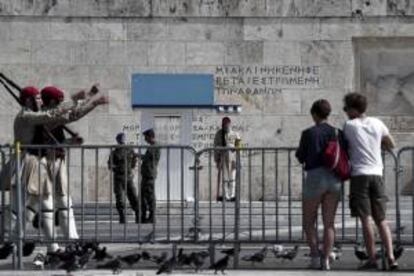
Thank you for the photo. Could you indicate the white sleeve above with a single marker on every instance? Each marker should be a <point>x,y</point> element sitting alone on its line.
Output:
<point>384,129</point>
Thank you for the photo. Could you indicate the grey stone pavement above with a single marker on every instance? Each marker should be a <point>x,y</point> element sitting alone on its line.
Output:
<point>228,273</point>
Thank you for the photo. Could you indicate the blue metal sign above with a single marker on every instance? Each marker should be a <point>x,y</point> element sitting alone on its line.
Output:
<point>172,90</point>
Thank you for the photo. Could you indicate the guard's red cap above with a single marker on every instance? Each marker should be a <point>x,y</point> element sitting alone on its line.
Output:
<point>52,93</point>
<point>27,92</point>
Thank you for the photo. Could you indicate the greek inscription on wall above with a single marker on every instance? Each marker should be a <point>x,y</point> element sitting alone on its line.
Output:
<point>132,133</point>
<point>205,128</point>
<point>264,79</point>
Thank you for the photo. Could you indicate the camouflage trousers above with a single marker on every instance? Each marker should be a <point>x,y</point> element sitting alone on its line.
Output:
<point>148,198</point>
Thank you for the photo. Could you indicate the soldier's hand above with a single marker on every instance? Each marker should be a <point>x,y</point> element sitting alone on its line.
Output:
<point>94,90</point>
<point>103,100</point>
<point>81,95</point>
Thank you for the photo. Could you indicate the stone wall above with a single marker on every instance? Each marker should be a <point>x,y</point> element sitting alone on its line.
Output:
<point>272,57</point>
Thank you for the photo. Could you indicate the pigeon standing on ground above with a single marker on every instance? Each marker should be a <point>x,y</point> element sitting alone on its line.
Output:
<point>257,257</point>
<point>221,264</point>
<point>167,266</point>
<point>146,256</point>
<point>100,254</point>
<point>183,259</point>
<point>198,258</point>
<point>289,254</point>
<point>159,259</point>
<point>336,253</point>
<point>229,251</point>
<point>131,259</point>
<point>398,251</point>
<point>39,261</point>
<point>84,259</point>
<point>71,264</point>
<point>6,250</point>
<point>114,265</point>
<point>360,253</point>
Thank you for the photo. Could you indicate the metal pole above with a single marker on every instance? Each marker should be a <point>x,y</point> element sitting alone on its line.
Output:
<point>250,193</point>
<point>19,209</point>
<point>196,197</point>
<point>237,211</point>
<point>397,197</point>
<point>289,196</point>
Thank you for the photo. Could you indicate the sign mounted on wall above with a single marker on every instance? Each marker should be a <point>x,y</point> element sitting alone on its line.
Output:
<point>172,90</point>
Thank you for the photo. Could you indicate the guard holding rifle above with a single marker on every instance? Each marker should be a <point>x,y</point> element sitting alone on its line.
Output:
<point>30,125</point>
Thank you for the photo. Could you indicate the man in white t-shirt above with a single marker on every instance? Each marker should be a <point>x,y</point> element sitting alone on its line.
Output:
<point>366,137</point>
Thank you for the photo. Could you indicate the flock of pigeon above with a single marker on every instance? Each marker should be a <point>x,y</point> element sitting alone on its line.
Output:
<point>77,256</point>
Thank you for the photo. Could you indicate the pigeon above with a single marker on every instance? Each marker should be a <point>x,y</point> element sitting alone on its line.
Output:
<point>289,254</point>
<point>257,257</point>
<point>398,251</point>
<point>6,250</point>
<point>220,265</point>
<point>52,260</point>
<point>84,259</point>
<point>197,259</point>
<point>336,253</point>
<point>28,248</point>
<point>71,264</point>
<point>360,253</point>
<point>229,251</point>
<point>131,259</point>
<point>159,259</point>
<point>39,261</point>
<point>146,256</point>
<point>114,265</point>
<point>183,259</point>
<point>277,249</point>
<point>167,266</point>
<point>100,254</point>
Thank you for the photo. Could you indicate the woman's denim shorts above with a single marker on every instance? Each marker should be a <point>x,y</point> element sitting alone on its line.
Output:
<point>319,181</point>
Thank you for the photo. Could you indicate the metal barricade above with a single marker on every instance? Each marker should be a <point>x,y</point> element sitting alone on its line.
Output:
<point>404,195</point>
<point>265,208</point>
<point>90,192</point>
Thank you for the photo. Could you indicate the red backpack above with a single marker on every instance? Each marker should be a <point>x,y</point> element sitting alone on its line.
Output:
<point>336,159</point>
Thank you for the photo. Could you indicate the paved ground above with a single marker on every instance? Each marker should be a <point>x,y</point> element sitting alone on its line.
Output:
<point>228,273</point>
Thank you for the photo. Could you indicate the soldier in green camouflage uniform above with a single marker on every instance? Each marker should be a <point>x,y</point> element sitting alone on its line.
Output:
<point>149,174</point>
<point>122,162</point>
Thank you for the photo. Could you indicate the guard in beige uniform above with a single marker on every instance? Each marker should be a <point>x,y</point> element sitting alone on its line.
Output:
<point>226,160</point>
<point>29,124</point>
<point>52,97</point>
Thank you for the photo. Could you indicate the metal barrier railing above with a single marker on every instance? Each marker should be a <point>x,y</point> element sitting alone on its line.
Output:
<point>265,206</point>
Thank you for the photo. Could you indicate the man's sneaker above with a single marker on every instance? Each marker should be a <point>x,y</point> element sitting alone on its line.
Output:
<point>219,198</point>
<point>368,265</point>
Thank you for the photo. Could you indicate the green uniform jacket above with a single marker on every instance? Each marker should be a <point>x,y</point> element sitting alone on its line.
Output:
<point>150,163</point>
<point>122,158</point>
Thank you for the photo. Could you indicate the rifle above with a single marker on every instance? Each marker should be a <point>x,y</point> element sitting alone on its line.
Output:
<point>18,88</point>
